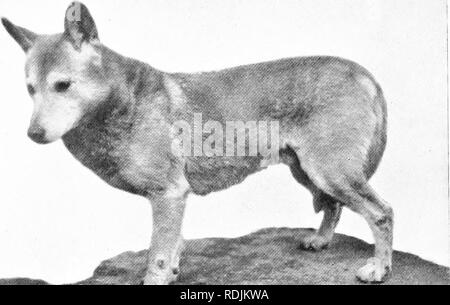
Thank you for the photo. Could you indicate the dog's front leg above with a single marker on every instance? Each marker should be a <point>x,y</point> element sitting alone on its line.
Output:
<point>166,244</point>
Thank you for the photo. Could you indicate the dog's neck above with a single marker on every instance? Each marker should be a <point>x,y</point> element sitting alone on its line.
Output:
<point>130,80</point>
<point>133,84</point>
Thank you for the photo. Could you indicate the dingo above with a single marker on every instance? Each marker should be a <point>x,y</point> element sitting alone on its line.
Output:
<point>116,116</point>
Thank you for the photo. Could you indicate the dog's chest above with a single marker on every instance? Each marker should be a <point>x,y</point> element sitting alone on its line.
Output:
<point>129,153</point>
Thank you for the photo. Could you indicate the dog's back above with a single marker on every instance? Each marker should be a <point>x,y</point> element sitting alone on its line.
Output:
<point>276,89</point>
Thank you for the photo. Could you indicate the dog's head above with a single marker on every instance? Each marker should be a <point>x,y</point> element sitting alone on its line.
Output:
<point>64,73</point>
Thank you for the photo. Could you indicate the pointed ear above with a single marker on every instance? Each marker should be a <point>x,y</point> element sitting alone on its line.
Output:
<point>79,26</point>
<point>24,37</point>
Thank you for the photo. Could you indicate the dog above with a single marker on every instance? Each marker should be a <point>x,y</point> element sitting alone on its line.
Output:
<point>116,116</point>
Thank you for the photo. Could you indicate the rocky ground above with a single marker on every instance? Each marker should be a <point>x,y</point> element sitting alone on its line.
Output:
<point>269,256</point>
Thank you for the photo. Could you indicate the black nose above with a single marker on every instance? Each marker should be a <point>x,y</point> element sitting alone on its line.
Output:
<point>37,134</point>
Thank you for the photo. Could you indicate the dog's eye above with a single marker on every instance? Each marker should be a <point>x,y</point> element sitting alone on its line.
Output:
<point>31,89</point>
<point>62,86</point>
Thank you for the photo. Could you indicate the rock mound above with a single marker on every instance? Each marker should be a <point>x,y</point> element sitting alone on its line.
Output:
<point>269,256</point>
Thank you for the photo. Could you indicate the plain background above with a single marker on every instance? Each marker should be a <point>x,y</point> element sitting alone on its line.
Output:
<point>58,220</point>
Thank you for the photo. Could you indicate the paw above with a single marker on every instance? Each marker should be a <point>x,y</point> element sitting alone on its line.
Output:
<point>375,271</point>
<point>314,242</point>
<point>164,278</point>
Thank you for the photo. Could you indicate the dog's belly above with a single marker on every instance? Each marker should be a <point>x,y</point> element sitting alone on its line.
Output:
<point>206,175</point>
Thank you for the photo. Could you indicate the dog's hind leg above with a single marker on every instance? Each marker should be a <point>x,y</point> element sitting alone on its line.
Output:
<point>380,217</point>
<point>335,165</point>
<point>331,215</point>
<point>353,191</point>
<point>360,197</point>
<point>322,202</point>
